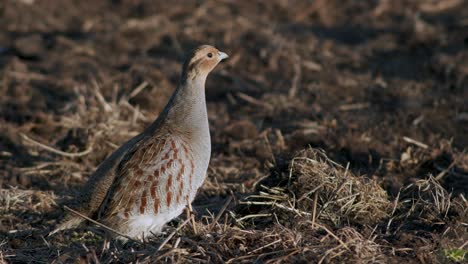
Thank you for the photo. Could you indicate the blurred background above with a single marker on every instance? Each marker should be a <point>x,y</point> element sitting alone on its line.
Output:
<point>379,85</point>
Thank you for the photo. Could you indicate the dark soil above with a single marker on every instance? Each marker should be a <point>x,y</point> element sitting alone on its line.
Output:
<point>380,86</point>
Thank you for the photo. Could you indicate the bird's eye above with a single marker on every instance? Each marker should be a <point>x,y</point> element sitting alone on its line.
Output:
<point>210,55</point>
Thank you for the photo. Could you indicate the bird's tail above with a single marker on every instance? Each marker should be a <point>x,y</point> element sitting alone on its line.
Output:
<point>69,222</point>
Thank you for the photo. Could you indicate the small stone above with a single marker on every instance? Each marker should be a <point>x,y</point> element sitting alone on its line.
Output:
<point>30,47</point>
<point>242,129</point>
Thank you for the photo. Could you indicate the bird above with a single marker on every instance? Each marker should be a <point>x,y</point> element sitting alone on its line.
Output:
<point>151,178</point>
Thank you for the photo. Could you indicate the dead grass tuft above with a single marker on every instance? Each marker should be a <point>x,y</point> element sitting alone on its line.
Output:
<point>341,195</point>
<point>319,188</point>
<point>427,202</point>
<point>324,207</point>
<point>25,200</point>
<point>360,247</point>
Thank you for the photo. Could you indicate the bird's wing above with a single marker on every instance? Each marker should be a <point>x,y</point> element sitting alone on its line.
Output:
<point>147,177</point>
<point>93,193</point>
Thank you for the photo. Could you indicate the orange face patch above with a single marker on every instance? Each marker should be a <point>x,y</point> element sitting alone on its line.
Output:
<point>203,60</point>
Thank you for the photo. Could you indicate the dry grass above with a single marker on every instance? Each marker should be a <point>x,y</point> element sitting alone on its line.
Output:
<point>323,213</point>
<point>341,196</point>
<point>375,86</point>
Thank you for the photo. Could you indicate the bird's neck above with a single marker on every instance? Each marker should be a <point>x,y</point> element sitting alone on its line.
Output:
<point>186,110</point>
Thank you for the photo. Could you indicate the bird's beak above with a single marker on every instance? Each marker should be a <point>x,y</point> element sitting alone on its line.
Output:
<point>222,55</point>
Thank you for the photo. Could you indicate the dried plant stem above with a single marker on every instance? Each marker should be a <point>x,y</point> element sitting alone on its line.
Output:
<point>226,204</point>
<point>314,211</point>
<point>445,171</point>
<point>56,151</point>
<point>252,216</point>
<point>264,246</point>
<point>192,217</point>
<point>101,224</point>
<point>254,101</point>
<point>415,142</point>
<point>281,206</point>
<point>172,234</point>
<point>331,234</point>
<point>138,89</point>
<point>297,76</point>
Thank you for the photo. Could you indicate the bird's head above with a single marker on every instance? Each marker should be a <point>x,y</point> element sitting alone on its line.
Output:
<point>201,61</point>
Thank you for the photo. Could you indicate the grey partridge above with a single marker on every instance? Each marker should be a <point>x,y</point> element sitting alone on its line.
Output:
<point>151,178</point>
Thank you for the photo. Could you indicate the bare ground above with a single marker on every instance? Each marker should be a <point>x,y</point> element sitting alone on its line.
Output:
<point>339,129</point>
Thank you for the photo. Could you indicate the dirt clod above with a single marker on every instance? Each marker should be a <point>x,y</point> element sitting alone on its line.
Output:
<point>242,129</point>
<point>29,47</point>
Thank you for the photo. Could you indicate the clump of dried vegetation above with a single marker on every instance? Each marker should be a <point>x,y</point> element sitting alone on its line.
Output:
<point>340,195</point>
